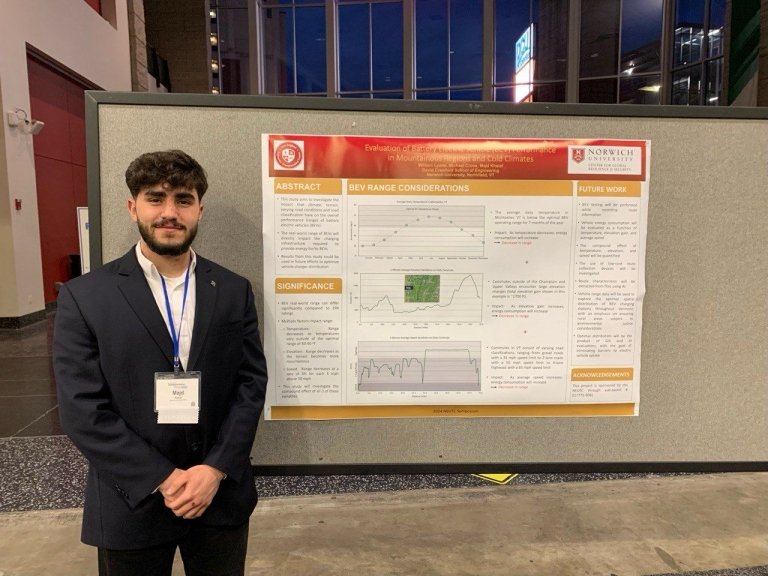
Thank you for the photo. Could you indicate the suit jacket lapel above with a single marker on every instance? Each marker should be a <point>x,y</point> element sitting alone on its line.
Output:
<point>140,299</point>
<point>205,294</point>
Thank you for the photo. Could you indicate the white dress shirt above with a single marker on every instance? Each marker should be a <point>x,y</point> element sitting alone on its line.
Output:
<point>175,287</point>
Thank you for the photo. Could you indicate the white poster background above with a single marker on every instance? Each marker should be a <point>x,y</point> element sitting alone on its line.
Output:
<point>499,308</point>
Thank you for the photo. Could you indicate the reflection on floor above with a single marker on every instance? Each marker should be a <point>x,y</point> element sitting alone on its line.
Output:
<point>27,389</point>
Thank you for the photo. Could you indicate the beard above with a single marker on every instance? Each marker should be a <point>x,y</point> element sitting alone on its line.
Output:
<point>163,249</point>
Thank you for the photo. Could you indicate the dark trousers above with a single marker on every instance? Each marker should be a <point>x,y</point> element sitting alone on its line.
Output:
<point>205,551</point>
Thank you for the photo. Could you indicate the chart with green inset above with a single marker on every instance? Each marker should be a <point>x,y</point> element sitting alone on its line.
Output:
<point>449,297</point>
<point>421,288</point>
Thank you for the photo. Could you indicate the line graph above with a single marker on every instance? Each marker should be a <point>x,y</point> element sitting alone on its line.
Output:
<point>421,230</point>
<point>418,298</point>
<point>418,366</point>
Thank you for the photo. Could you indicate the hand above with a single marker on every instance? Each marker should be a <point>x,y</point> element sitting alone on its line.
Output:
<point>188,493</point>
<point>171,484</point>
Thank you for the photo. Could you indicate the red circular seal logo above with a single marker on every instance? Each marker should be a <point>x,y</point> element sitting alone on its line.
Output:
<point>288,155</point>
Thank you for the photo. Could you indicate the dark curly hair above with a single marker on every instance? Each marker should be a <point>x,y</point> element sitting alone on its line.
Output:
<point>175,167</point>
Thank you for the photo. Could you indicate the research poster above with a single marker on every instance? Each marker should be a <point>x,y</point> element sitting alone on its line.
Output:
<point>453,277</point>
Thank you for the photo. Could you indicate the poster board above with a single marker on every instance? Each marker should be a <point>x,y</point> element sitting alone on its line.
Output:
<point>705,318</point>
<point>453,277</point>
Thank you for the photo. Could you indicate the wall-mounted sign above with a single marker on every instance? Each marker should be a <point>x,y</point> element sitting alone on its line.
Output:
<point>524,65</point>
<point>524,48</point>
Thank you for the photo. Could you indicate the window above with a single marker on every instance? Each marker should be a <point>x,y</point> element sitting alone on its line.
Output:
<point>294,47</point>
<point>620,60</point>
<point>443,53</point>
<point>697,58</point>
<point>230,72</point>
<point>531,47</point>
<point>449,49</point>
<point>370,49</point>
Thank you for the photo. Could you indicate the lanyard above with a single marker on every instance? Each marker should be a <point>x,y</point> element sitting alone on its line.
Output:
<point>174,336</point>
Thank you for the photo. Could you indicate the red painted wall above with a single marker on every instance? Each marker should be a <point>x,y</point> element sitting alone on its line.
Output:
<point>95,4</point>
<point>59,168</point>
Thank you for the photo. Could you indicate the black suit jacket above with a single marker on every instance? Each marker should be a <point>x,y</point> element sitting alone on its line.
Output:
<point>109,340</point>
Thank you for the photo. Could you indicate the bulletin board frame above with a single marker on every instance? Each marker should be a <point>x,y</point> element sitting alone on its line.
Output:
<point>705,325</point>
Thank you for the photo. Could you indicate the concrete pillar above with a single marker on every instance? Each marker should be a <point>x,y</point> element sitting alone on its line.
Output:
<point>179,32</point>
<point>138,41</point>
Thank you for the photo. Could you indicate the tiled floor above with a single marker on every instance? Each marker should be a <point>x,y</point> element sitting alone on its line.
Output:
<point>27,388</point>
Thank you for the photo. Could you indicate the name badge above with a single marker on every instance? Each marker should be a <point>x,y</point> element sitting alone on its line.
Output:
<point>177,397</point>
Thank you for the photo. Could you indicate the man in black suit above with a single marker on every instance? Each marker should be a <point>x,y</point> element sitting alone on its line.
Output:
<point>161,380</point>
